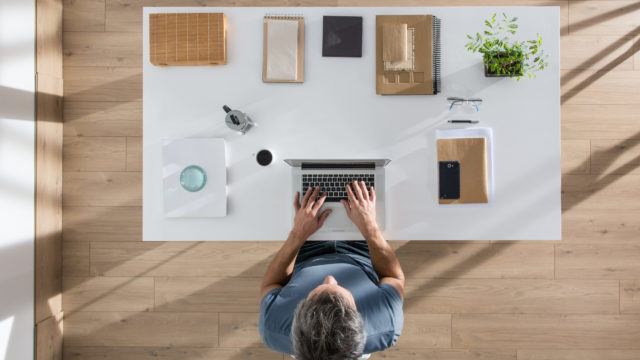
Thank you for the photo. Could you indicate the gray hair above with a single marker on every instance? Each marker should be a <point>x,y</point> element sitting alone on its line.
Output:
<point>326,327</point>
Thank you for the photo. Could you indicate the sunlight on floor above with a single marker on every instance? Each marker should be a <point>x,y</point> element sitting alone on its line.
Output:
<point>5,333</point>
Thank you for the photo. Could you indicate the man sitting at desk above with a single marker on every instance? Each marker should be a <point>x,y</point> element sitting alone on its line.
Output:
<point>332,299</point>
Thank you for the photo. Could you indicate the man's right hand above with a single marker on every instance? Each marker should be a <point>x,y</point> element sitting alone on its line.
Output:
<point>361,207</point>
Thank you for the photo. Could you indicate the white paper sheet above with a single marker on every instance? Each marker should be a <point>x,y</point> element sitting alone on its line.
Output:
<point>282,49</point>
<point>209,154</point>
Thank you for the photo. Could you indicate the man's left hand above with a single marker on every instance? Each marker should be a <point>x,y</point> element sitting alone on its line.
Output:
<point>308,217</point>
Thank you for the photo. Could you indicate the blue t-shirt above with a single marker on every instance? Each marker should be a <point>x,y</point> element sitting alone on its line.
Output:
<point>380,305</point>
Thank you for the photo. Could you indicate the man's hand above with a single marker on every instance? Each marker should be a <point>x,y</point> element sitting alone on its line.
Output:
<point>361,207</point>
<point>308,217</point>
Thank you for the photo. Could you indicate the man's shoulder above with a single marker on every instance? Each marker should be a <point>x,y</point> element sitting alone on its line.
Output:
<point>274,323</point>
<point>276,340</point>
<point>384,318</point>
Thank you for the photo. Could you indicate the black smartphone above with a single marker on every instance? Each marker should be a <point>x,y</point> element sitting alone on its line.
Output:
<point>449,178</point>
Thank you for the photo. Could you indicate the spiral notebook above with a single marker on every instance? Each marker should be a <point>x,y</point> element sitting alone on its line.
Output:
<point>283,49</point>
<point>408,55</point>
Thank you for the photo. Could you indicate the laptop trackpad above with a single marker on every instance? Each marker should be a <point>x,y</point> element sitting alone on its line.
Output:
<point>338,219</point>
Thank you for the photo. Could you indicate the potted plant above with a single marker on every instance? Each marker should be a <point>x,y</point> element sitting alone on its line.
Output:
<point>503,56</point>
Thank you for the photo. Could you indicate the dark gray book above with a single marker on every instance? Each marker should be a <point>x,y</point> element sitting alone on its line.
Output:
<point>342,36</point>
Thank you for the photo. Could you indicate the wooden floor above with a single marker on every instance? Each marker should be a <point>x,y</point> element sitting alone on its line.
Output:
<point>574,299</point>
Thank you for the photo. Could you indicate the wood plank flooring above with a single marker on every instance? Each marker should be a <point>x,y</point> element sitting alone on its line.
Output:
<point>574,299</point>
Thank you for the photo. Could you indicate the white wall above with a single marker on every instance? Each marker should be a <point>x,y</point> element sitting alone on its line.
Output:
<point>17,178</point>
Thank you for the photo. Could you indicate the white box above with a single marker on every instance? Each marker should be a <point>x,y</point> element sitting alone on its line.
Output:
<point>208,154</point>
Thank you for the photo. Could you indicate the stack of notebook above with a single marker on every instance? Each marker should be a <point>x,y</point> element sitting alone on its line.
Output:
<point>407,55</point>
<point>407,46</point>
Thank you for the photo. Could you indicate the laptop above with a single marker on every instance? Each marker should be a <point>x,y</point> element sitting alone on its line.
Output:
<point>332,177</point>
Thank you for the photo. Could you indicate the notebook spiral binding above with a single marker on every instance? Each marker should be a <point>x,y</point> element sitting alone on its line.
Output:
<point>437,55</point>
<point>284,17</point>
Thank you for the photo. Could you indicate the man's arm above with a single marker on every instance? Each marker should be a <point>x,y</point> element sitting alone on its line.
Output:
<point>361,209</point>
<point>384,260</point>
<point>281,266</point>
<point>307,221</point>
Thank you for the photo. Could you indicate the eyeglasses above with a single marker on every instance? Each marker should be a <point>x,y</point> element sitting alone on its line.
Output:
<point>458,101</point>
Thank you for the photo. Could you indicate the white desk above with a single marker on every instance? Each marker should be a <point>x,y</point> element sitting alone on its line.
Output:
<point>335,113</point>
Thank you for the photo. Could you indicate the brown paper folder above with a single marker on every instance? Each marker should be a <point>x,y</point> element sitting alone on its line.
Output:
<point>394,42</point>
<point>472,155</point>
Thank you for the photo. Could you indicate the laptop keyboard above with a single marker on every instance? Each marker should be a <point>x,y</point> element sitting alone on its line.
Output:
<point>334,184</point>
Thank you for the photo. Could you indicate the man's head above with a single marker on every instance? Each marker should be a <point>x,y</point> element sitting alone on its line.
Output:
<point>327,325</point>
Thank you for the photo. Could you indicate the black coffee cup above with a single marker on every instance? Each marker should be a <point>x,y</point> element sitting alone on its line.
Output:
<point>264,157</point>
